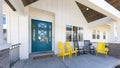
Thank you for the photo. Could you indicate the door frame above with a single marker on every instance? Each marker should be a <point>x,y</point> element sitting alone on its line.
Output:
<point>31,33</point>
<point>37,16</point>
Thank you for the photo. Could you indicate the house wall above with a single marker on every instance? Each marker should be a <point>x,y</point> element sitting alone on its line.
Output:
<point>12,24</point>
<point>67,13</point>
<point>17,30</point>
<point>60,12</point>
<point>42,15</point>
<point>1,31</point>
<point>101,29</point>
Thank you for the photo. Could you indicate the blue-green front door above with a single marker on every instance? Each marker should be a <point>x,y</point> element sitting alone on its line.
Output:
<point>41,36</point>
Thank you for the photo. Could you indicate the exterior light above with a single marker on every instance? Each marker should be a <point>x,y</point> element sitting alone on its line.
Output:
<point>87,8</point>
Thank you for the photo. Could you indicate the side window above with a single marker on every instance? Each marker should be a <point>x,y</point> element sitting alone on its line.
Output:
<point>4,27</point>
<point>80,34</point>
<point>75,33</point>
<point>98,34</point>
<point>94,34</point>
<point>104,35</point>
<point>68,33</point>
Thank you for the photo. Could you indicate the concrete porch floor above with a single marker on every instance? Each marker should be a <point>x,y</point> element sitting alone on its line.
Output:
<point>82,61</point>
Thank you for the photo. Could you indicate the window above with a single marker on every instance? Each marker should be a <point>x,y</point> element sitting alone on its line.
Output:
<point>80,34</point>
<point>4,28</point>
<point>75,33</point>
<point>98,34</point>
<point>94,34</point>
<point>104,35</point>
<point>68,33</point>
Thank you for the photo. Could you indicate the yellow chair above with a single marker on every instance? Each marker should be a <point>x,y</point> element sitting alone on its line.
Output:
<point>62,51</point>
<point>102,49</point>
<point>69,49</point>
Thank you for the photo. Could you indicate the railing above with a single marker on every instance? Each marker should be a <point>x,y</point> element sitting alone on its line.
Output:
<point>114,48</point>
<point>14,53</point>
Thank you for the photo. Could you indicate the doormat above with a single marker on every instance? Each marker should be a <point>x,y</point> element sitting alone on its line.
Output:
<point>42,57</point>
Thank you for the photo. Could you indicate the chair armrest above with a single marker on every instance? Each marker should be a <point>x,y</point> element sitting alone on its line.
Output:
<point>76,48</point>
<point>106,49</point>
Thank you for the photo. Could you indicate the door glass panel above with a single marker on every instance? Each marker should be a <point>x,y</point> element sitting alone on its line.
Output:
<point>33,34</point>
<point>33,30</point>
<point>49,26</point>
<point>50,34</point>
<point>42,25</point>
<point>42,32</point>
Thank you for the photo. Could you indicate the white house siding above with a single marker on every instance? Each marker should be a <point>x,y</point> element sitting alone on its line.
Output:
<point>66,13</point>
<point>60,12</point>
<point>43,16</point>
<point>118,32</point>
<point>1,31</point>
<point>12,22</point>
<point>17,30</point>
<point>101,29</point>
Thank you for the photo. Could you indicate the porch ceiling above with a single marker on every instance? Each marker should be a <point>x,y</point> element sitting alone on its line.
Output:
<point>114,3</point>
<point>28,2</point>
<point>103,7</point>
<point>90,14</point>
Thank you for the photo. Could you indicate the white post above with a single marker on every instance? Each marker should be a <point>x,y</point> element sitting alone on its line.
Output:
<point>118,31</point>
<point>112,32</point>
<point>1,25</point>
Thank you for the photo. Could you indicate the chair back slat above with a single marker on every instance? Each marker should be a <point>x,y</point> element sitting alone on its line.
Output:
<point>61,47</point>
<point>101,47</point>
<point>68,46</point>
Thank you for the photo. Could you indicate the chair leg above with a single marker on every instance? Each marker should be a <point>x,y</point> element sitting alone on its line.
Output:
<point>63,58</point>
<point>107,54</point>
<point>69,56</point>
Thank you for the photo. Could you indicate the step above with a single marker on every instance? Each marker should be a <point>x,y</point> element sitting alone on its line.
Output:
<point>44,53</point>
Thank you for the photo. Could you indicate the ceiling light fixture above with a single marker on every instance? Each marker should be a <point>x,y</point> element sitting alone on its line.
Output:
<point>87,8</point>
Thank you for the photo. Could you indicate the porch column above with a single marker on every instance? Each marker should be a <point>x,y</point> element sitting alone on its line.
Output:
<point>118,31</point>
<point>113,33</point>
<point>1,25</point>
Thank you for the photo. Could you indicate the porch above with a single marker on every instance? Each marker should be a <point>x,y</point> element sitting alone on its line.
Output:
<point>82,61</point>
<point>28,27</point>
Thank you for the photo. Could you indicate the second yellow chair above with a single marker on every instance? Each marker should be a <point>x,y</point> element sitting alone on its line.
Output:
<point>69,49</point>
